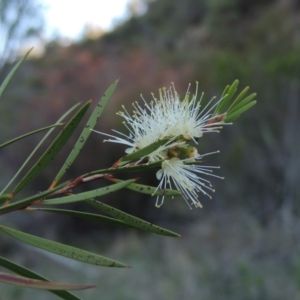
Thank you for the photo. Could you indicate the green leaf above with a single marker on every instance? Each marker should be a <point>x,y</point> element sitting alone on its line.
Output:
<point>241,104</point>
<point>53,149</point>
<point>143,152</point>
<point>239,98</point>
<point>86,132</point>
<point>150,190</point>
<point>28,273</point>
<point>90,194</point>
<point>131,220</point>
<point>227,97</point>
<point>237,113</point>
<point>27,201</point>
<point>225,91</point>
<point>12,73</point>
<point>37,147</point>
<point>28,134</point>
<point>127,168</point>
<point>86,216</point>
<point>40,284</point>
<point>61,249</point>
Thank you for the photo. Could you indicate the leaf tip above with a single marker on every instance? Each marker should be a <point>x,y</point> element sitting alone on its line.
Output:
<point>89,287</point>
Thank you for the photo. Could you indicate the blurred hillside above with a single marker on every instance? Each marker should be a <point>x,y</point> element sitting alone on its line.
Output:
<point>212,42</point>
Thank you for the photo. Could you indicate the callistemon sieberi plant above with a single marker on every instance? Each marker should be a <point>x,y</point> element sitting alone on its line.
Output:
<point>161,135</point>
<point>177,124</point>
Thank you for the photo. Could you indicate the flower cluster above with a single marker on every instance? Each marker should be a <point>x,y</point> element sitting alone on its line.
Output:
<point>180,122</point>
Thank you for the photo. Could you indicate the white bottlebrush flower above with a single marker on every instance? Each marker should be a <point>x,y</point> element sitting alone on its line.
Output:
<point>178,122</point>
<point>186,175</point>
<point>167,118</point>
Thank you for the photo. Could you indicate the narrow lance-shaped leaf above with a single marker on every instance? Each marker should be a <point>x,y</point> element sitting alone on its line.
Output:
<point>85,133</point>
<point>149,190</point>
<point>239,98</point>
<point>90,194</point>
<point>143,152</point>
<point>237,113</point>
<point>61,249</point>
<point>53,149</point>
<point>85,215</point>
<point>127,168</point>
<point>27,201</point>
<point>242,103</point>
<point>28,134</point>
<point>37,147</point>
<point>12,72</point>
<point>40,284</point>
<point>225,91</point>
<point>227,98</point>
<point>132,220</point>
<point>30,274</point>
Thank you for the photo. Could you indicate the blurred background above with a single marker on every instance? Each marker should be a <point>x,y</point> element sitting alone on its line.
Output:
<point>244,243</point>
